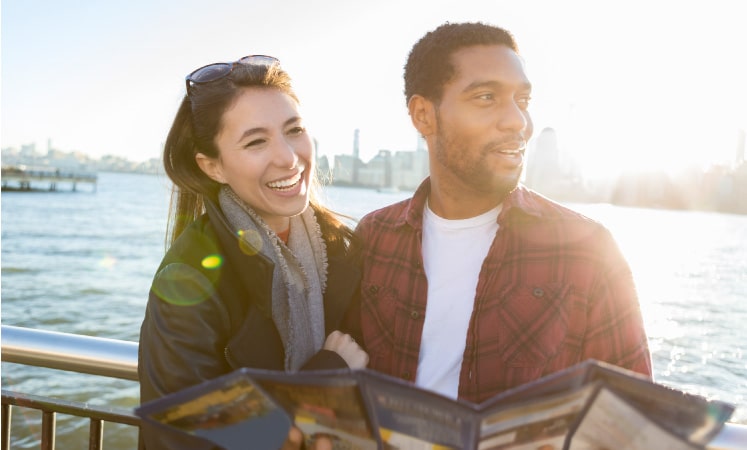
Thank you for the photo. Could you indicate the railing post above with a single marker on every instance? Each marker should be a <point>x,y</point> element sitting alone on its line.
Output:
<point>96,435</point>
<point>49,426</point>
<point>6,426</point>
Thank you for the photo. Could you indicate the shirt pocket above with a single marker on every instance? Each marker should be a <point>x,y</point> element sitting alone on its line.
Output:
<point>540,322</point>
<point>381,311</point>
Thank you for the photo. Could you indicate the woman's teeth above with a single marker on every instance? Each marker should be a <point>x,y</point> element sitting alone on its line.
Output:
<point>288,183</point>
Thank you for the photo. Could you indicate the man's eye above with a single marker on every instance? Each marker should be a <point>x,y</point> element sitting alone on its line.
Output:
<point>295,131</point>
<point>524,101</point>
<point>488,96</point>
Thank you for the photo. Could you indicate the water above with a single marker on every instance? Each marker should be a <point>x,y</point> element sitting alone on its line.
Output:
<point>81,262</point>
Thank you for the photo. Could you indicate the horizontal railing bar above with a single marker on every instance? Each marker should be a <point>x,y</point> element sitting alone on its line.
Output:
<point>84,354</point>
<point>98,412</point>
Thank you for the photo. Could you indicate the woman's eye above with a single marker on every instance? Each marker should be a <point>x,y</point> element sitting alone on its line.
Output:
<point>254,143</point>
<point>295,131</point>
<point>524,101</point>
<point>488,96</point>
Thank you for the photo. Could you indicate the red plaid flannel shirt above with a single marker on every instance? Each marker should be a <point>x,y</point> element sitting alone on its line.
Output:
<point>553,291</point>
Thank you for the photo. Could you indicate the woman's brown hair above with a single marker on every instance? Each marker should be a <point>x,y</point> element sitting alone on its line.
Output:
<point>197,122</point>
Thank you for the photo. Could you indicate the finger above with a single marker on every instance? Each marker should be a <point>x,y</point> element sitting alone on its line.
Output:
<point>294,440</point>
<point>322,443</point>
<point>336,335</point>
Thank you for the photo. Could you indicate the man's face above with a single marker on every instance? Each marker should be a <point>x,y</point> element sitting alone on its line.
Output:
<point>482,122</point>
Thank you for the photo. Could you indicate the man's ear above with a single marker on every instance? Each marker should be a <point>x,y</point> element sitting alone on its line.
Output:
<point>211,167</point>
<point>422,114</point>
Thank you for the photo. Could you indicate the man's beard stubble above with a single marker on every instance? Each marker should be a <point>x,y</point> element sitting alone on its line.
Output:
<point>473,172</point>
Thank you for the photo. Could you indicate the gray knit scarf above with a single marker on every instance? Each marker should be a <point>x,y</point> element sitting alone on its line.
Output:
<point>299,277</point>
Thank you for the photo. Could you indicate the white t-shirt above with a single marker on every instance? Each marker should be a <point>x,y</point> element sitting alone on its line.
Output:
<point>453,253</point>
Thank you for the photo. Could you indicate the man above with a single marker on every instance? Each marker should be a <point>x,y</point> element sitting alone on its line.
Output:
<point>476,284</point>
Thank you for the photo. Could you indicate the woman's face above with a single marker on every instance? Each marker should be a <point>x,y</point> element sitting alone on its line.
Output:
<point>265,155</point>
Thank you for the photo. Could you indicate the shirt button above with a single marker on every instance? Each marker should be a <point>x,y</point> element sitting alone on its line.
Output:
<point>406,374</point>
<point>414,314</point>
<point>538,292</point>
<point>373,289</point>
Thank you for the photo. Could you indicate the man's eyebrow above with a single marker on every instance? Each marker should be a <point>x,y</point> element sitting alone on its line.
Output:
<point>496,85</point>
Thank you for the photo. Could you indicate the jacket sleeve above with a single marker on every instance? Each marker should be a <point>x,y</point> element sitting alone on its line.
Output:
<point>351,320</point>
<point>182,340</point>
<point>325,359</point>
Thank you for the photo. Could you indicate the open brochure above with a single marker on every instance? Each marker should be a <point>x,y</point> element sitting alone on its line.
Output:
<point>592,405</point>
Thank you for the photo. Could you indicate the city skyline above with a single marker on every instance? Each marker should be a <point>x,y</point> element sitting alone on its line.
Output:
<point>539,143</point>
<point>544,155</point>
<point>720,188</point>
<point>626,84</point>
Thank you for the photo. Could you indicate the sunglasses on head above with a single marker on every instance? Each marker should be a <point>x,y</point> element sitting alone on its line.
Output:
<point>216,71</point>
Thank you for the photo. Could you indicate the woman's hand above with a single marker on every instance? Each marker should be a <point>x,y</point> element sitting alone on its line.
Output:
<point>295,441</point>
<point>349,350</point>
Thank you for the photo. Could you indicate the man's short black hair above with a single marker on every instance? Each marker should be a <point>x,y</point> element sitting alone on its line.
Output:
<point>429,65</point>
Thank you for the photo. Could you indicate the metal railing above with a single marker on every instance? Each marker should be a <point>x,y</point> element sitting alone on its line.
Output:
<point>71,352</point>
<point>118,359</point>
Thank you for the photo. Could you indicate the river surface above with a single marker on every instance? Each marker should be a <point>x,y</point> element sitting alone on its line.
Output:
<point>81,262</point>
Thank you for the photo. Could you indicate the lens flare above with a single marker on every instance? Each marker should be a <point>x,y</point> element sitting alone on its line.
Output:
<point>182,285</point>
<point>250,242</point>
<point>212,261</point>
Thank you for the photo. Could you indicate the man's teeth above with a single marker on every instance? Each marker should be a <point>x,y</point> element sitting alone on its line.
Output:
<point>287,183</point>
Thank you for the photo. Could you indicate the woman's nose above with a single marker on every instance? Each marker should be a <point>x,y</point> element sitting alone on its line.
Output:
<point>286,155</point>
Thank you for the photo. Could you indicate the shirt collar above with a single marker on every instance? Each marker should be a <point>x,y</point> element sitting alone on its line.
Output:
<point>520,203</point>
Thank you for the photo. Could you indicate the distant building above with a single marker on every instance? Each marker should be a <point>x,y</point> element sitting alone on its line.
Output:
<point>401,170</point>
<point>421,146</point>
<point>343,169</point>
<point>409,169</point>
<point>374,173</point>
<point>356,155</point>
<point>551,172</point>
<point>322,165</point>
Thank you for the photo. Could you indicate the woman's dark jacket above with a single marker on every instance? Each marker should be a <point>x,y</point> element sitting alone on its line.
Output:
<point>209,312</point>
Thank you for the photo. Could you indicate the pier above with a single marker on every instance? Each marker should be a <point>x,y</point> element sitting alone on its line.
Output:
<point>23,178</point>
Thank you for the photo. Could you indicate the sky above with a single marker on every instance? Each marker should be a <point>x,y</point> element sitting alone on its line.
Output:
<point>625,84</point>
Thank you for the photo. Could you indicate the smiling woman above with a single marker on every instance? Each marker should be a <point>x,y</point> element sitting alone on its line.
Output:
<point>267,166</point>
<point>256,272</point>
